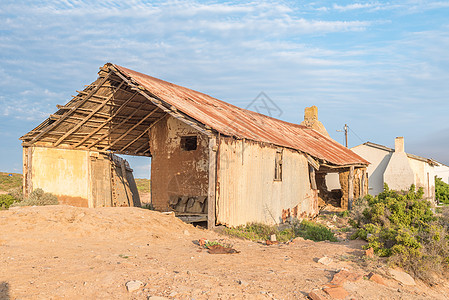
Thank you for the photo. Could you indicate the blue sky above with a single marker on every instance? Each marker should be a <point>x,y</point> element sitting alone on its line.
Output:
<point>381,67</point>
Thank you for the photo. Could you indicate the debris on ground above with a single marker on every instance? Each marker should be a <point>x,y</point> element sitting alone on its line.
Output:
<point>133,285</point>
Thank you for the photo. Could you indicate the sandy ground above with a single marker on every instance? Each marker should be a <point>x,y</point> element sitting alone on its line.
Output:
<point>62,252</point>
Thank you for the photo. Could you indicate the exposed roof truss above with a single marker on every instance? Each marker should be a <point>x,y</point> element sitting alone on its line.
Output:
<point>111,114</point>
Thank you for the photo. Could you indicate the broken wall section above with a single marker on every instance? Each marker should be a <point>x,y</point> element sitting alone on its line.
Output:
<point>78,177</point>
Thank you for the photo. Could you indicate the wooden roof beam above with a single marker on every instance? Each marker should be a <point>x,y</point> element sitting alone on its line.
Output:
<point>140,135</point>
<point>108,120</point>
<point>131,129</point>
<point>59,121</point>
<point>115,127</point>
<point>76,127</point>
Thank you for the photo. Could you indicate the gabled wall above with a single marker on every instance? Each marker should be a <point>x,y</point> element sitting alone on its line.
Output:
<point>177,175</point>
<point>442,171</point>
<point>247,191</point>
<point>379,160</point>
<point>397,169</point>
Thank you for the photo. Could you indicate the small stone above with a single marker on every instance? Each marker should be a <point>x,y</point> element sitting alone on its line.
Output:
<point>273,238</point>
<point>133,285</point>
<point>157,298</point>
<point>186,232</point>
<point>376,278</point>
<point>402,277</point>
<point>172,294</point>
<point>242,283</point>
<point>341,277</point>
<point>337,292</point>
<point>325,260</point>
<point>317,294</point>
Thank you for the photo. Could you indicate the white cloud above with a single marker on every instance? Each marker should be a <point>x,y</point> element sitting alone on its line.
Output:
<point>355,6</point>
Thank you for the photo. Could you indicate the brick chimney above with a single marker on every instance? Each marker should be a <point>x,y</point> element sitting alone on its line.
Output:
<point>399,144</point>
<point>311,120</point>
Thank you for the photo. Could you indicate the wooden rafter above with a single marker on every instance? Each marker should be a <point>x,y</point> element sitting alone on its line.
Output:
<point>140,135</point>
<point>57,122</point>
<point>115,127</point>
<point>132,128</point>
<point>76,127</point>
<point>158,102</point>
<point>107,121</point>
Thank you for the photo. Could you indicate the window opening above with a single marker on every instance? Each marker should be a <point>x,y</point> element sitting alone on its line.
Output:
<point>188,143</point>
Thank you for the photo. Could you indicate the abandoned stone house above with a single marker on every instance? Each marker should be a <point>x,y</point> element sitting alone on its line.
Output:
<point>397,168</point>
<point>208,157</point>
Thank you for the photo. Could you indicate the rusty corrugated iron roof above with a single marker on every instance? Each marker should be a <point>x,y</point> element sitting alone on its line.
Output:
<point>231,120</point>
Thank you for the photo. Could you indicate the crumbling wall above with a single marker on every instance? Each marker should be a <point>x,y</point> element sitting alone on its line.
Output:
<point>344,183</point>
<point>179,177</point>
<point>78,177</point>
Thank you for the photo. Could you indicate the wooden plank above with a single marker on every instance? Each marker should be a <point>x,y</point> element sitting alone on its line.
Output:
<point>211,193</point>
<point>132,128</point>
<point>350,187</point>
<point>88,117</point>
<point>96,96</point>
<point>140,135</point>
<point>115,127</point>
<point>59,121</point>
<point>312,178</point>
<point>108,120</point>
<point>313,162</point>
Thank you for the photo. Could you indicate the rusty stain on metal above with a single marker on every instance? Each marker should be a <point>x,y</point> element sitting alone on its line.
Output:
<point>240,123</point>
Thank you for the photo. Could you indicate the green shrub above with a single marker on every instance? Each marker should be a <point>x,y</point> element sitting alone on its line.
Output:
<point>39,198</point>
<point>441,190</point>
<point>315,232</point>
<point>305,229</point>
<point>401,225</point>
<point>6,201</point>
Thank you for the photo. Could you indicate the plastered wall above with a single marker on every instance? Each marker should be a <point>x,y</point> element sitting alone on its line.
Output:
<point>62,172</point>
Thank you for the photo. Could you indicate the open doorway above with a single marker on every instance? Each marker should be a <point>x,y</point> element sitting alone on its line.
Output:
<point>141,166</point>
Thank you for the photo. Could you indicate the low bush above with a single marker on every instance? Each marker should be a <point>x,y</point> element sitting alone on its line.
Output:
<point>401,226</point>
<point>315,232</point>
<point>441,190</point>
<point>6,201</point>
<point>39,198</point>
<point>305,229</point>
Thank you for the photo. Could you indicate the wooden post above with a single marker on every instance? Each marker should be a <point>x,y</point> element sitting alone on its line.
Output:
<point>212,179</point>
<point>312,178</point>
<point>350,187</point>
<point>362,185</point>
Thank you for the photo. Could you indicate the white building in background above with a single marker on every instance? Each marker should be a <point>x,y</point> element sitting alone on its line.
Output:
<point>397,168</point>
<point>442,171</point>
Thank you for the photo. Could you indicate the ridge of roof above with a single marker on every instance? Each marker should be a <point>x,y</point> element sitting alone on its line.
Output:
<point>413,156</point>
<point>234,121</point>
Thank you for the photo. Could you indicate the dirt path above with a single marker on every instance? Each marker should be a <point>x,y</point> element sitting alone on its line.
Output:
<point>57,252</point>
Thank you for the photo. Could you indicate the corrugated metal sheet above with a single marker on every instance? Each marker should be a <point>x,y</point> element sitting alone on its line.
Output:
<point>241,123</point>
<point>247,191</point>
